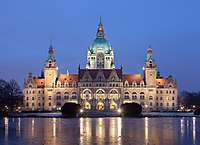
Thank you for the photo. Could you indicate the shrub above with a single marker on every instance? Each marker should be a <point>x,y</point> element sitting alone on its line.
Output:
<point>197,112</point>
<point>131,109</point>
<point>70,109</point>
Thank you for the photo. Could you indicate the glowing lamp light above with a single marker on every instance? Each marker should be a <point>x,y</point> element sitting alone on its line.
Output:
<point>81,111</point>
<point>119,110</point>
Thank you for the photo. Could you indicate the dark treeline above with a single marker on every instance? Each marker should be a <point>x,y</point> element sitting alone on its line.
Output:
<point>10,95</point>
<point>190,100</point>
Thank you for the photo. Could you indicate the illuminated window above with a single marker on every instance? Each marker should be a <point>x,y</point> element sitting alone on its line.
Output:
<point>150,98</point>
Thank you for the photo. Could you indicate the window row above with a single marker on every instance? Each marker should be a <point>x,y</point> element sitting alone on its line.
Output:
<point>142,97</point>
<point>100,85</point>
<point>74,97</point>
<point>33,92</point>
<point>167,91</point>
<point>167,98</point>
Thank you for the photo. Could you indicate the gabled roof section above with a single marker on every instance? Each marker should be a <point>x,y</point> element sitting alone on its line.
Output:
<point>94,72</point>
<point>70,78</point>
<point>160,82</point>
<point>40,82</point>
<point>132,78</point>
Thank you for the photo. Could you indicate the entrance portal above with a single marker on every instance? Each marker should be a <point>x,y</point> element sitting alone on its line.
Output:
<point>100,106</point>
<point>87,106</point>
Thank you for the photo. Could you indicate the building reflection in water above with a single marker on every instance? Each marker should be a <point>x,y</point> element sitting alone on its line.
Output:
<point>6,128</point>
<point>32,126</point>
<point>100,129</point>
<point>146,128</point>
<point>194,129</point>
<point>58,131</point>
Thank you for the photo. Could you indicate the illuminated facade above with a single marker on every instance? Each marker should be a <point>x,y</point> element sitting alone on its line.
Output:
<point>100,86</point>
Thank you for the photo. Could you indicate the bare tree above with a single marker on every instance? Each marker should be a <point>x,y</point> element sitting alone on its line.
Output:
<point>10,94</point>
<point>14,94</point>
<point>3,85</point>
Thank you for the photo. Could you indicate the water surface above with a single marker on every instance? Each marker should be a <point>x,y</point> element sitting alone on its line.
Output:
<point>101,131</point>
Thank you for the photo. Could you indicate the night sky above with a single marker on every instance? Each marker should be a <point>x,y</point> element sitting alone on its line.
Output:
<point>171,27</point>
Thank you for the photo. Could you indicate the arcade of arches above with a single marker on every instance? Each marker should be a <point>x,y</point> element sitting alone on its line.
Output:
<point>100,100</point>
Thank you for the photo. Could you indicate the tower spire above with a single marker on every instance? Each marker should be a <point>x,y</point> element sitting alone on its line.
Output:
<point>51,56</point>
<point>100,32</point>
<point>149,61</point>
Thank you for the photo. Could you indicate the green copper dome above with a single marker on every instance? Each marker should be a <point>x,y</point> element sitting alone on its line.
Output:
<point>100,43</point>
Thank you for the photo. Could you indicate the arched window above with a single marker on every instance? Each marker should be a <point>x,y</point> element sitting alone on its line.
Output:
<point>126,95</point>
<point>142,103</point>
<point>142,96</point>
<point>58,95</point>
<point>74,95</point>
<point>134,96</point>
<point>66,95</point>
<point>49,103</point>
<point>150,98</point>
<point>58,104</point>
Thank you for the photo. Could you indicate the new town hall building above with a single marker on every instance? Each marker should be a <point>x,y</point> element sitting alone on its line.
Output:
<point>100,86</point>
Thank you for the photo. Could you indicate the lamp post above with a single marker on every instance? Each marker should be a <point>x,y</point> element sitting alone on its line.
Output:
<point>146,106</point>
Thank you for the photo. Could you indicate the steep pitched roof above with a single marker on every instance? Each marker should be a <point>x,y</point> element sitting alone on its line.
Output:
<point>70,78</point>
<point>132,77</point>
<point>93,73</point>
<point>40,82</point>
<point>160,82</point>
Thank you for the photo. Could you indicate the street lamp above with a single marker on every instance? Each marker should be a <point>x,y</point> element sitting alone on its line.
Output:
<point>119,110</point>
<point>81,110</point>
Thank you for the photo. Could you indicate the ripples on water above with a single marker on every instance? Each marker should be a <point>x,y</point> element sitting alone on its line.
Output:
<point>61,131</point>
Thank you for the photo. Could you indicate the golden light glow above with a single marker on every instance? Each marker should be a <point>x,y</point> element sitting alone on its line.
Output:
<point>81,110</point>
<point>119,110</point>
<point>194,129</point>
<point>32,126</point>
<point>119,128</point>
<point>6,128</point>
<point>146,128</point>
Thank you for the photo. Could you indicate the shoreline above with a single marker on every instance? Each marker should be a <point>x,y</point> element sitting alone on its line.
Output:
<point>59,115</point>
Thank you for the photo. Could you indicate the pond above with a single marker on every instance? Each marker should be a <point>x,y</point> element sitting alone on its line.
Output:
<point>101,131</point>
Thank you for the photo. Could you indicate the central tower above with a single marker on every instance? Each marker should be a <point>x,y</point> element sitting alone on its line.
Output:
<point>100,52</point>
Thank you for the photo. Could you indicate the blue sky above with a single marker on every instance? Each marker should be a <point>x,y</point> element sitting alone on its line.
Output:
<point>171,27</point>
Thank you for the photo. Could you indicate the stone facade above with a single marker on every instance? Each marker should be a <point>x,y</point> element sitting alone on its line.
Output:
<point>100,86</point>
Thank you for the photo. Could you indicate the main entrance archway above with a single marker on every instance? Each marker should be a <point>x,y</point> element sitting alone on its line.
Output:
<point>113,105</point>
<point>87,105</point>
<point>100,106</point>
